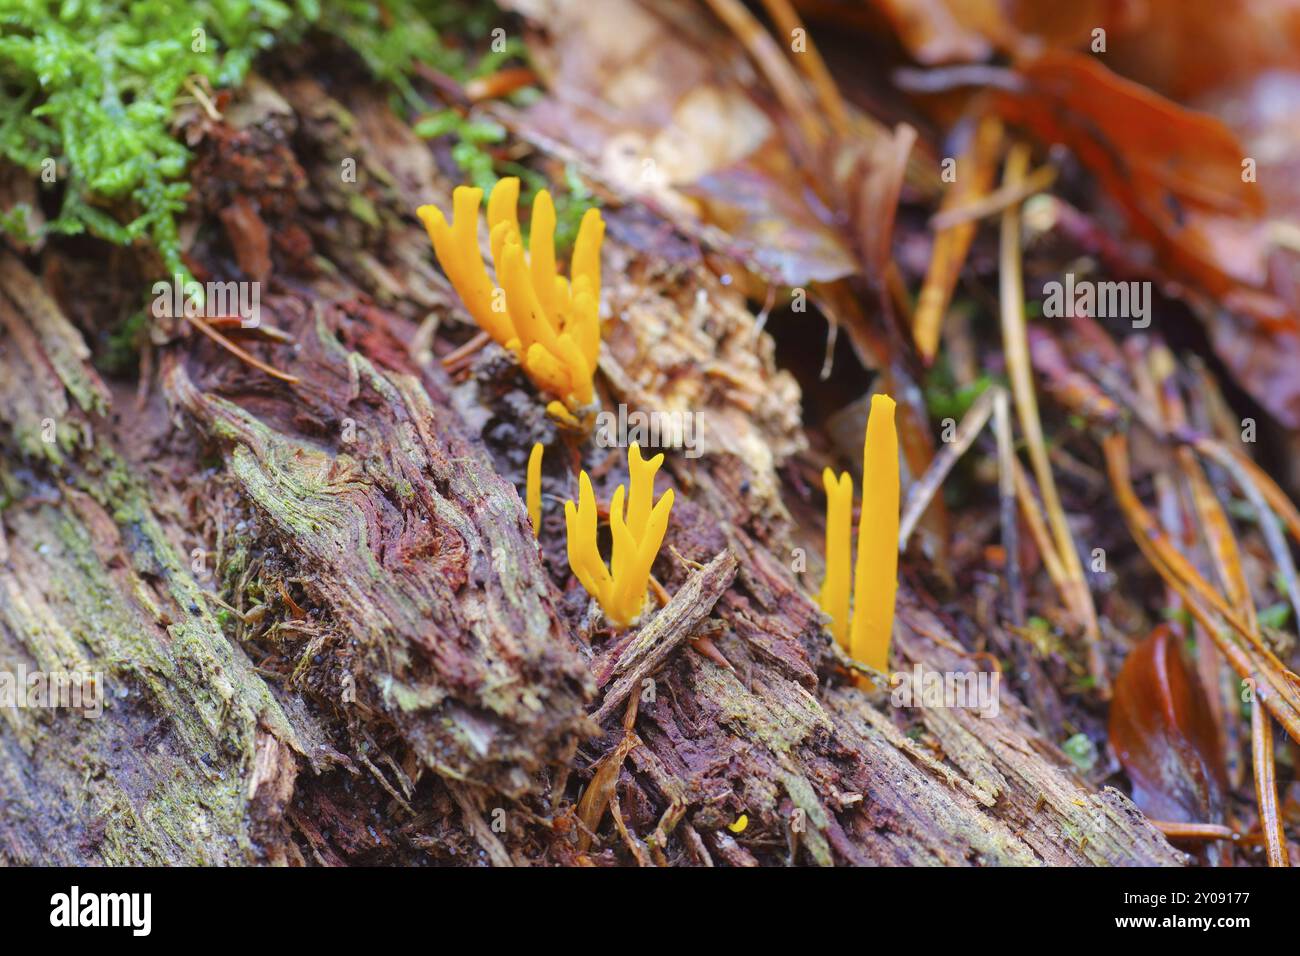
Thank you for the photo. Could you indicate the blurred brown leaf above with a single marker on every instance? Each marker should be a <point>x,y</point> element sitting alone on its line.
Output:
<point>939,31</point>
<point>1164,734</point>
<point>970,31</point>
<point>1176,171</point>
<point>1188,48</point>
<point>663,103</point>
<point>1177,174</point>
<point>775,226</point>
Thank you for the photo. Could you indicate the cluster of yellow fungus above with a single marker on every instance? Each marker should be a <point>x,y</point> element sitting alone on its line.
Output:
<point>637,533</point>
<point>867,634</point>
<point>550,323</point>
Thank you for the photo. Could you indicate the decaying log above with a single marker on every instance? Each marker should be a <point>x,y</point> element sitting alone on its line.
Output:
<point>417,551</point>
<point>402,660</point>
<point>90,583</point>
<point>677,622</point>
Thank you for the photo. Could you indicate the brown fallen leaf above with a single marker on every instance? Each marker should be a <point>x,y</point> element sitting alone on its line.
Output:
<point>1186,48</point>
<point>1178,177</point>
<point>938,31</point>
<point>1164,734</point>
<point>661,102</point>
<point>948,255</point>
<point>780,234</point>
<point>1175,172</point>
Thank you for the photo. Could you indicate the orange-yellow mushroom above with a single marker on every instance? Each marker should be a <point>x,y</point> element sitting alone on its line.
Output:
<point>866,633</point>
<point>637,529</point>
<point>550,323</point>
<point>534,487</point>
<point>834,598</point>
<point>875,582</point>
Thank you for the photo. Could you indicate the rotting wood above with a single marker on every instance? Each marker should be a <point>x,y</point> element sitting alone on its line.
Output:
<point>670,628</point>
<point>415,546</point>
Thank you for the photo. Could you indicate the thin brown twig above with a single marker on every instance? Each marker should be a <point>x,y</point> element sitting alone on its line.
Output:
<point>1262,757</point>
<point>976,168</point>
<point>192,83</point>
<point>773,64</point>
<point>595,798</point>
<point>634,843</point>
<point>1195,831</point>
<point>1007,505</point>
<point>1274,684</point>
<point>1252,661</point>
<point>1016,345</point>
<point>1116,450</point>
<point>924,489</point>
<point>1261,490</point>
<point>499,84</point>
<point>1029,507</point>
<point>997,201</point>
<point>235,350</point>
<point>454,360</point>
<point>810,61</point>
<point>1226,555</point>
<point>1220,539</point>
<point>1266,498</point>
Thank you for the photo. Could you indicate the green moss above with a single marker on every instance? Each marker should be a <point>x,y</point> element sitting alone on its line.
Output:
<point>396,37</point>
<point>91,88</point>
<point>1275,616</point>
<point>471,140</point>
<point>945,399</point>
<point>88,89</point>
<point>1082,751</point>
<point>123,344</point>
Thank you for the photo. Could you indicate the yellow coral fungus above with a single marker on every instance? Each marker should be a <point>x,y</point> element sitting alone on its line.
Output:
<point>551,324</point>
<point>875,582</point>
<point>637,532</point>
<point>534,487</point>
<point>839,541</point>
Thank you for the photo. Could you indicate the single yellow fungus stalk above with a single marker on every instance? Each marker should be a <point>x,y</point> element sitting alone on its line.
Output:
<point>584,558</point>
<point>875,582</point>
<point>637,529</point>
<point>541,252</point>
<point>534,488</point>
<point>586,251</point>
<point>834,598</point>
<point>503,202</point>
<point>550,323</point>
